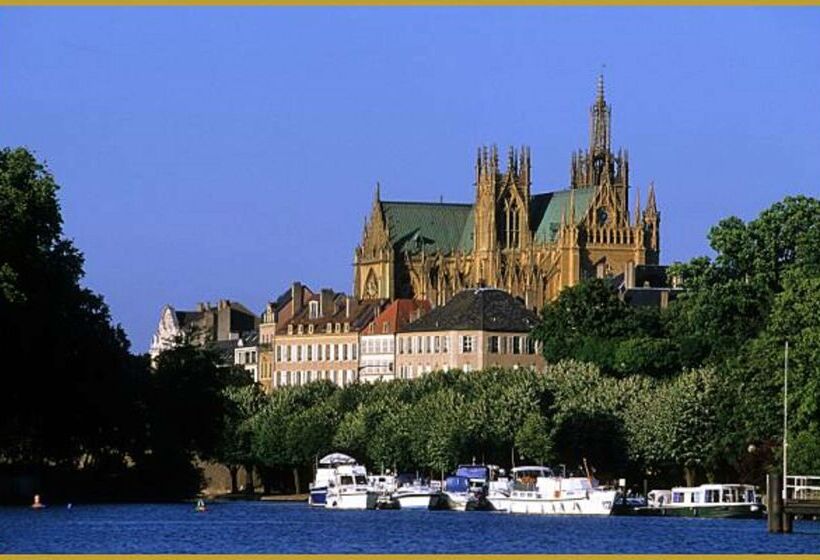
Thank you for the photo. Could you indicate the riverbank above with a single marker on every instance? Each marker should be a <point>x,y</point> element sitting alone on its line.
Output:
<point>257,497</point>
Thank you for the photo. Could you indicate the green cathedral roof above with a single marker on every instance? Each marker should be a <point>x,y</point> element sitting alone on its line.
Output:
<point>430,226</point>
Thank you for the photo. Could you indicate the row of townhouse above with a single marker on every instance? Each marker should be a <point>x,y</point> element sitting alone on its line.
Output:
<point>307,336</point>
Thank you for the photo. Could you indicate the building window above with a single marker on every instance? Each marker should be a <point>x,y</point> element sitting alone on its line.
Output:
<point>530,345</point>
<point>466,344</point>
<point>319,352</point>
<point>492,345</point>
<point>426,344</point>
<point>329,328</point>
<point>344,351</point>
<point>445,340</point>
<point>352,351</point>
<point>287,353</point>
<point>278,353</point>
<point>313,309</point>
<point>310,352</point>
<point>347,327</point>
<point>338,327</point>
<point>385,327</point>
<point>298,352</point>
<point>516,345</point>
<point>310,329</point>
<point>290,329</point>
<point>300,329</point>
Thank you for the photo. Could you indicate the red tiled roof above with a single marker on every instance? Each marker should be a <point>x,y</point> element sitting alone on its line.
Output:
<point>397,315</point>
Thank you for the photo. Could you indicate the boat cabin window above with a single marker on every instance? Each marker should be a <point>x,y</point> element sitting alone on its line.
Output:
<point>695,497</point>
<point>750,496</point>
<point>346,480</point>
<point>727,495</point>
<point>677,497</point>
<point>712,496</point>
<point>360,479</point>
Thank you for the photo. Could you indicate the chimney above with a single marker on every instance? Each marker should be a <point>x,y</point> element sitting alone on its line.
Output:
<point>347,307</point>
<point>630,275</point>
<point>326,307</point>
<point>297,294</point>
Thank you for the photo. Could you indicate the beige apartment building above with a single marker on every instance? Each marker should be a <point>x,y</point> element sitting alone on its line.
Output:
<point>321,340</point>
<point>477,329</point>
<point>278,313</point>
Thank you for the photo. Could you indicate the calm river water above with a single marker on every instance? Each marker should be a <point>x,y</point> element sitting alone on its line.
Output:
<point>266,527</point>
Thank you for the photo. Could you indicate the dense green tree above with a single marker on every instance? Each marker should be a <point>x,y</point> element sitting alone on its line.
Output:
<point>534,439</point>
<point>235,445</point>
<point>77,403</point>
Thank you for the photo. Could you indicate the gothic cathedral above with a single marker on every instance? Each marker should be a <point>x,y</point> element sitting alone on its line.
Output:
<point>531,245</point>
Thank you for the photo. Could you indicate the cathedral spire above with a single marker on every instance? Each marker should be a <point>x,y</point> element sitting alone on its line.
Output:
<point>651,205</point>
<point>637,214</point>
<point>599,115</point>
<point>377,197</point>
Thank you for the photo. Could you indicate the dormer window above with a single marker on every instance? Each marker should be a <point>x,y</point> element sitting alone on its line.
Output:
<point>313,309</point>
<point>329,328</point>
<point>310,329</point>
<point>385,327</point>
<point>300,329</point>
<point>290,329</point>
<point>338,327</point>
<point>347,327</point>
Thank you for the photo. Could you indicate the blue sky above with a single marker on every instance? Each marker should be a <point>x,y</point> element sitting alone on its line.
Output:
<point>210,153</point>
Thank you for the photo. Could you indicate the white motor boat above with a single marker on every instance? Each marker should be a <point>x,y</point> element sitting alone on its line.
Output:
<point>467,490</point>
<point>324,472</point>
<point>417,495</point>
<point>384,485</point>
<point>348,489</point>
<point>555,495</point>
<point>499,491</point>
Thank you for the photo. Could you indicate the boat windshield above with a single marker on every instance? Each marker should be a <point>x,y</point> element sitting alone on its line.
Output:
<point>361,479</point>
<point>456,484</point>
<point>346,480</point>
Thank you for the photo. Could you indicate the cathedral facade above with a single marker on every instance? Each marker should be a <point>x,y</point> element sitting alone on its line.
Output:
<point>531,245</point>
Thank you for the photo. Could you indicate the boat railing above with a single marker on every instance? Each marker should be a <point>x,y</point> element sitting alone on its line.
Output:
<point>803,488</point>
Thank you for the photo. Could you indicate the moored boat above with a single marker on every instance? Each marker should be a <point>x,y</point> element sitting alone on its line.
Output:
<point>737,501</point>
<point>499,490</point>
<point>556,495</point>
<point>417,495</point>
<point>348,489</point>
<point>467,489</point>
<point>324,472</point>
<point>384,485</point>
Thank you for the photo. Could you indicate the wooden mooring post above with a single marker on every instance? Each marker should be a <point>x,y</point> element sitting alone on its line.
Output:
<point>780,520</point>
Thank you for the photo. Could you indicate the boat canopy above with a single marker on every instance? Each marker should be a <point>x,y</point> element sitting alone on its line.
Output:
<point>543,471</point>
<point>473,471</point>
<point>456,484</point>
<point>337,459</point>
